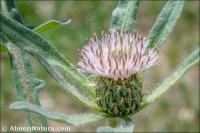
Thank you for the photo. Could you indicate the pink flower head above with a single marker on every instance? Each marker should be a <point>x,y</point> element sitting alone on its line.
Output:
<point>117,55</point>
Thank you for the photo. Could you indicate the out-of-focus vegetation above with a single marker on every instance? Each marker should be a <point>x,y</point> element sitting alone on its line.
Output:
<point>177,110</point>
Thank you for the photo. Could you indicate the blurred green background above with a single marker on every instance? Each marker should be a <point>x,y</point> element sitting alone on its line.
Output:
<point>177,110</point>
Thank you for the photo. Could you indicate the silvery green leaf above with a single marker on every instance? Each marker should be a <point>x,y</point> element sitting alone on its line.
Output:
<point>27,84</point>
<point>165,22</point>
<point>59,68</point>
<point>124,15</point>
<point>51,24</point>
<point>173,78</point>
<point>75,120</point>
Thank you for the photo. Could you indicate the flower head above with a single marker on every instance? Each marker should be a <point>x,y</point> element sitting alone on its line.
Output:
<point>117,55</point>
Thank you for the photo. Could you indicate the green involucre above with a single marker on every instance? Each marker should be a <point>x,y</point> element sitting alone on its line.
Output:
<point>121,97</point>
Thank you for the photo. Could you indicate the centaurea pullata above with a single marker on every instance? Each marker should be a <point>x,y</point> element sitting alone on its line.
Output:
<point>118,59</point>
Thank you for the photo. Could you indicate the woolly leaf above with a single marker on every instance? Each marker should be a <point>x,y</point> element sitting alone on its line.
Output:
<point>165,22</point>
<point>69,119</point>
<point>173,78</point>
<point>124,15</point>
<point>27,84</point>
<point>59,68</point>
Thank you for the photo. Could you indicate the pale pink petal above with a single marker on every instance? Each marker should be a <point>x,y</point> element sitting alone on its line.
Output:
<point>117,55</point>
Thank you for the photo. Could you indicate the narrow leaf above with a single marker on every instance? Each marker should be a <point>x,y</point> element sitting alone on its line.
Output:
<point>27,84</point>
<point>124,15</point>
<point>50,25</point>
<point>173,78</point>
<point>69,119</point>
<point>165,22</point>
<point>59,68</point>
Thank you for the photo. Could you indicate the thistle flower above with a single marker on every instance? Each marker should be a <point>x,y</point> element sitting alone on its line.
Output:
<point>119,59</point>
<point>117,55</point>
